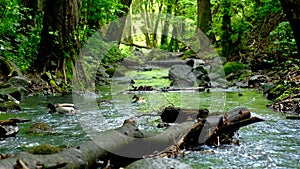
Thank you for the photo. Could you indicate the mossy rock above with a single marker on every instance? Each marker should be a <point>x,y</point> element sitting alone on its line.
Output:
<point>19,81</point>
<point>5,85</point>
<point>15,92</point>
<point>188,54</point>
<point>9,105</point>
<point>45,149</point>
<point>232,67</point>
<point>39,127</point>
<point>110,71</point>
<point>8,69</point>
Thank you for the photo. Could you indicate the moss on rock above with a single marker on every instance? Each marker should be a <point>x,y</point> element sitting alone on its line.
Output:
<point>45,149</point>
<point>9,105</point>
<point>233,67</point>
<point>39,128</point>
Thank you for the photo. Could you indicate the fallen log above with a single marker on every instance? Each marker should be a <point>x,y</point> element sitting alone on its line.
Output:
<point>128,143</point>
<point>212,131</point>
<point>124,141</point>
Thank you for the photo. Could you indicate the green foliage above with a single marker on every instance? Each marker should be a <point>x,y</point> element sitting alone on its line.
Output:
<point>188,53</point>
<point>232,67</point>
<point>114,56</point>
<point>283,42</point>
<point>245,17</point>
<point>266,7</point>
<point>18,42</point>
<point>95,14</point>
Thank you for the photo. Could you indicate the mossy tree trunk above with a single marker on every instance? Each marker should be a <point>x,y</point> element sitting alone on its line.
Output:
<point>59,44</point>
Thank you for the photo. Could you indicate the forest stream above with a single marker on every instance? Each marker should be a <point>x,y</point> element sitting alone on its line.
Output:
<point>273,143</point>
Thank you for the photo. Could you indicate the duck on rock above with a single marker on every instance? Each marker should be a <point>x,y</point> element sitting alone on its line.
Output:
<point>61,108</point>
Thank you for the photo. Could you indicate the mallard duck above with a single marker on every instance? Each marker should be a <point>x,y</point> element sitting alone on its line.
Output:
<point>137,99</point>
<point>61,108</point>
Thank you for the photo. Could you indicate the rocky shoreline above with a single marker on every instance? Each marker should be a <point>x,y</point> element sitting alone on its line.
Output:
<point>282,88</point>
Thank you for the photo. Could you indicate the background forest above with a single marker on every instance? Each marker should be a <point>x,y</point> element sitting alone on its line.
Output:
<point>46,36</point>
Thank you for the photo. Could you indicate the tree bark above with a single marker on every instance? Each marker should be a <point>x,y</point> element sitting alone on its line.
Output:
<point>59,37</point>
<point>226,28</point>
<point>204,18</point>
<point>291,8</point>
<point>174,42</point>
<point>165,31</point>
<point>115,29</point>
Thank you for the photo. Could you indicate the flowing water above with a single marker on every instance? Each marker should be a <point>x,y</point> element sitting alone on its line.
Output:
<point>274,143</point>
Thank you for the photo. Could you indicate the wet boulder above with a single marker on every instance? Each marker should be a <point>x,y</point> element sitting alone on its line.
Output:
<point>9,105</point>
<point>15,92</point>
<point>19,81</point>
<point>10,96</point>
<point>184,75</point>
<point>9,127</point>
<point>8,69</point>
<point>257,80</point>
<point>101,76</point>
<point>9,99</point>
<point>39,128</point>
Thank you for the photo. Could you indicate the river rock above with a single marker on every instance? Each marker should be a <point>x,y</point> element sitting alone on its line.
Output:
<point>182,76</point>
<point>101,76</point>
<point>186,76</point>
<point>19,81</point>
<point>9,127</point>
<point>15,92</point>
<point>195,62</point>
<point>8,69</point>
<point>39,128</point>
<point>257,80</point>
<point>10,97</point>
<point>9,106</point>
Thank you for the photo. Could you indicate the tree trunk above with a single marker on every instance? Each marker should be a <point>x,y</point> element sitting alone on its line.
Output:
<point>174,43</point>
<point>154,38</point>
<point>204,18</point>
<point>59,38</point>
<point>226,28</point>
<point>165,31</point>
<point>291,8</point>
<point>115,29</point>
